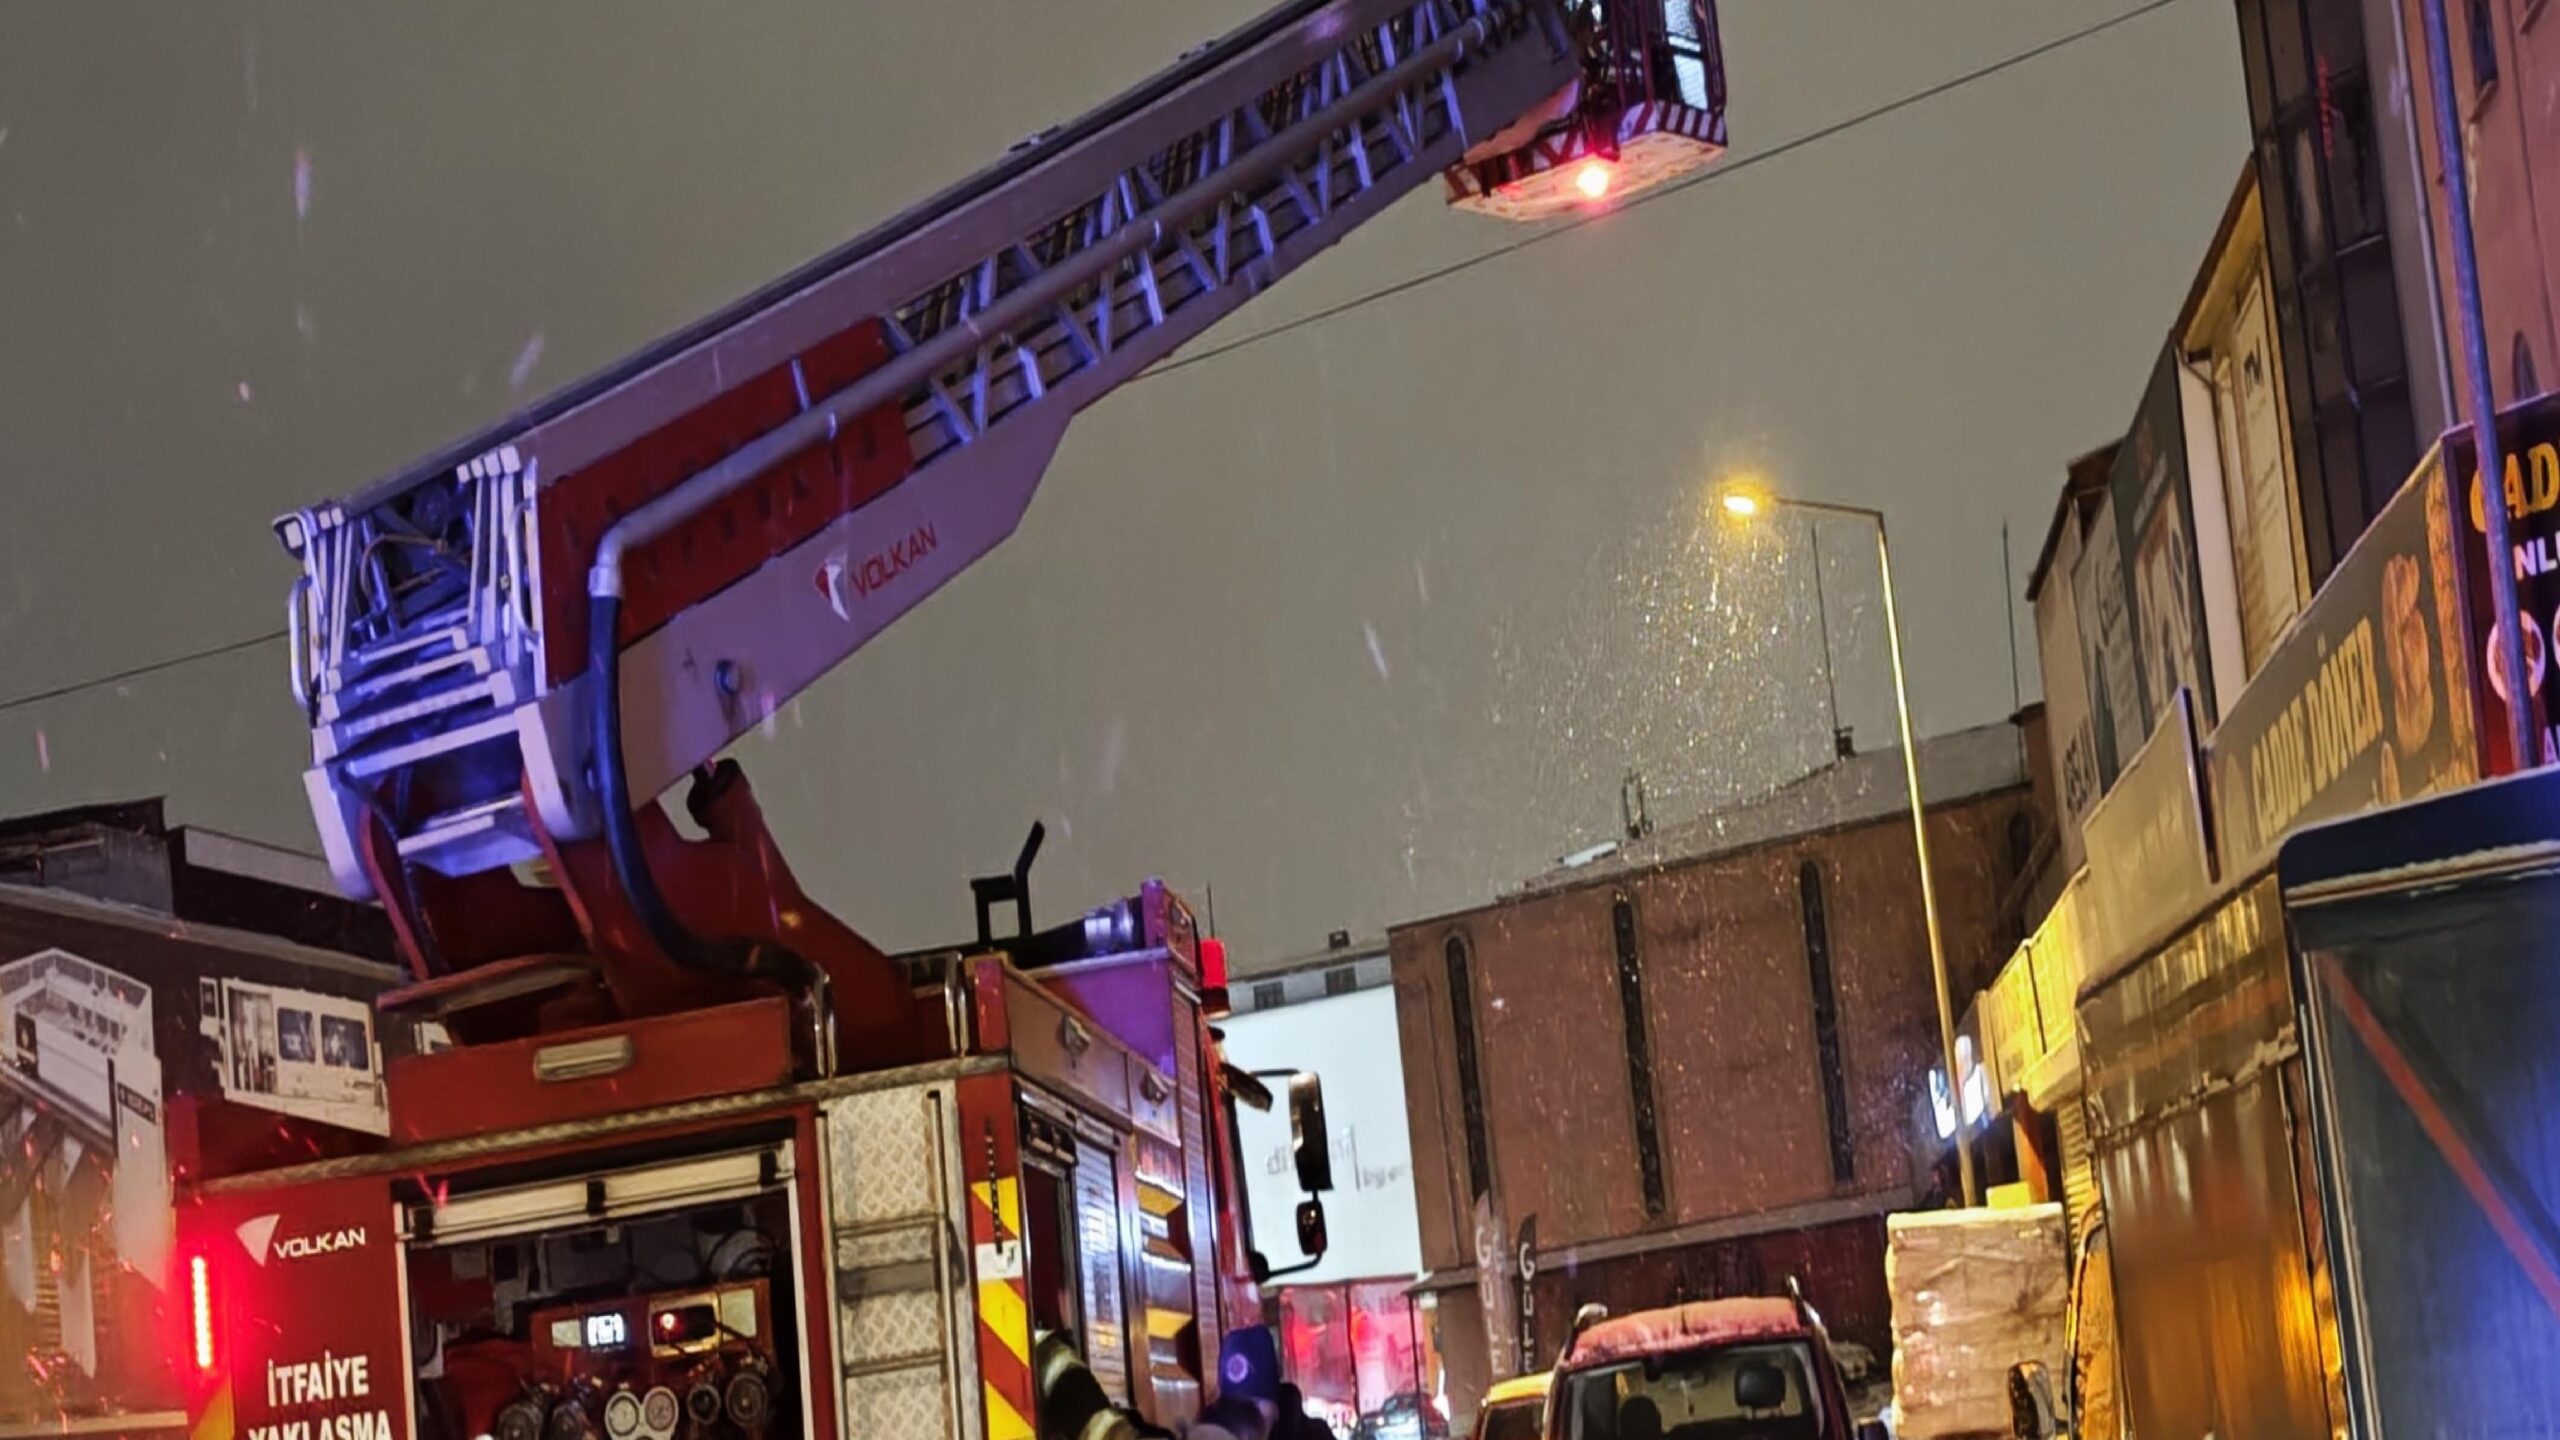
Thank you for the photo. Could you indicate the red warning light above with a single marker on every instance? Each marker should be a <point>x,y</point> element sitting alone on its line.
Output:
<point>1213,964</point>
<point>200,1292</point>
<point>1593,179</point>
<point>687,1324</point>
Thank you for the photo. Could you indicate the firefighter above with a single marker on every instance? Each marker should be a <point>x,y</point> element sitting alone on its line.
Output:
<point>1248,1403</point>
<point>1294,1419</point>
<point>1253,1402</point>
<point>1072,1403</point>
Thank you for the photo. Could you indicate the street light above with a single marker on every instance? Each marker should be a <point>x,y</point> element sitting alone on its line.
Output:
<point>1747,499</point>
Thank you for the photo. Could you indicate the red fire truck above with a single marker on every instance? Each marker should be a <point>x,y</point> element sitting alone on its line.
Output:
<point>701,1160</point>
<point>694,1223</point>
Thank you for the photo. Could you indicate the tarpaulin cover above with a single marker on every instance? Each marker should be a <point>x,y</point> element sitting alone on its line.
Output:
<point>1684,1327</point>
<point>1974,1292</point>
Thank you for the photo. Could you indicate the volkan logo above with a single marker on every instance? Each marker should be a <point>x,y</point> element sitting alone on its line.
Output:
<point>256,1234</point>
<point>876,569</point>
<point>258,1237</point>
<point>831,583</point>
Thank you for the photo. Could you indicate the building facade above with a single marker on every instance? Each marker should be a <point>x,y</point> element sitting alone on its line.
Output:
<point>1351,1334</point>
<point>1689,1068</point>
<point>170,1001</point>
<point>2225,341</point>
<point>2505,56</point>
<point>2350,257</point>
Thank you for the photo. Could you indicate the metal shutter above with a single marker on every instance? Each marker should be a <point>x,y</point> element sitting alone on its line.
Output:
<point>2079,1173</point>
<point>1106,1325</point>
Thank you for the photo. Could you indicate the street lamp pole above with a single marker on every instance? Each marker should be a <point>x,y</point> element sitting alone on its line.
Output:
<point>1928,882</point>
<point>1746,503</point>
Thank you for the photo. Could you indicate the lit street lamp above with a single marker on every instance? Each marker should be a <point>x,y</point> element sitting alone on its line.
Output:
<point>1745,500</point>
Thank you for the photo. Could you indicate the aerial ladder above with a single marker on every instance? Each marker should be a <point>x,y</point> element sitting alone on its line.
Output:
<point>509,651</point>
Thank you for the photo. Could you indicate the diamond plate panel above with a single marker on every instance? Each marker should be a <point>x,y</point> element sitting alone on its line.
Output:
<point>891,1203</point>
<point>900,1405</point>
<point>881,1156</point>
<point>895,1327</point>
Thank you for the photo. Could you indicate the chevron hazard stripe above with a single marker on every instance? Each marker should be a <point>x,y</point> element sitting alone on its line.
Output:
<point>1004,1308</point>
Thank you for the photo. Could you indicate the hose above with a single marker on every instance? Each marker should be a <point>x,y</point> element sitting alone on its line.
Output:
<point>613,793</point>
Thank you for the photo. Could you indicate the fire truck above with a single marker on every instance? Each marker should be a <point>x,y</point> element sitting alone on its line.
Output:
<point>698,1159</point>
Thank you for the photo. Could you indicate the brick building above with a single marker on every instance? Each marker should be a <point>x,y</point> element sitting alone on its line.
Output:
<point>1691,1066</point>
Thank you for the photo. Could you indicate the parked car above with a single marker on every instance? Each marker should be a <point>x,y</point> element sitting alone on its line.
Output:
<point>1736,1369</point>
<point>1514,1409</point>
<point>1409,1415</point>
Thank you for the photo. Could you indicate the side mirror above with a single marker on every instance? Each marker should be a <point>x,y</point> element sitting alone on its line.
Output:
<point>1311,1229</point>
<point>2031,1408</point>
<point>1309,1141</point>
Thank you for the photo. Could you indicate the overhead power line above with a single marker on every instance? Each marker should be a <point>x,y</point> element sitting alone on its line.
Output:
<point>1724,170</point>
<point>138,672</point>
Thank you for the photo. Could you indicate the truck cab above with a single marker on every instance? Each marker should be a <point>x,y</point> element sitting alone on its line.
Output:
<point>1732,1369</point>
<point>1515,1409</point>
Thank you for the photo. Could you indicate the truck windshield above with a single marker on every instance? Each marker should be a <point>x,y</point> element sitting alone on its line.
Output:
<point>1512,1420</point>
<point>1725,1392</point>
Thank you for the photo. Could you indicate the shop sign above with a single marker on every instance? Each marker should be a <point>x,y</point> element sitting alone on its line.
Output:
<point>1527,1251</point>
<point>1976,1104</point>
<point>2369,699</point>
<point>2105,611</point>
<point>2529,446</point>
<point>2149,863</point>
<point>2013,1032</point>
<point>2152,499</point>
<point>1494,1293</point>
<point>2062,959</point>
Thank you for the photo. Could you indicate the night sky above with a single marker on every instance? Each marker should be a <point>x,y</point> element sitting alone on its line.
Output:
<point>1357,624</point>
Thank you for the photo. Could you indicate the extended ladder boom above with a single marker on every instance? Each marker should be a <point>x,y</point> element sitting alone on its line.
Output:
<point>508,650</point>
<point>757,496</point>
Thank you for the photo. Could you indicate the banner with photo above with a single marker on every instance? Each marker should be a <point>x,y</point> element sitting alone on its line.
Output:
<point>80,1050</point>
<point>2157,512</point>
<point>2529,446</point>
<point>296,1052</point>
<point>69,1022</point>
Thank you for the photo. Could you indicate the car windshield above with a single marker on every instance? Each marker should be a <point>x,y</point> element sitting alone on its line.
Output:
<point>1726,1392</point>
<point>1512,1420</point>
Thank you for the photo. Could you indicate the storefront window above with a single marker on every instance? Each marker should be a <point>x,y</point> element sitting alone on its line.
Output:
<point>1361,1354</point>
